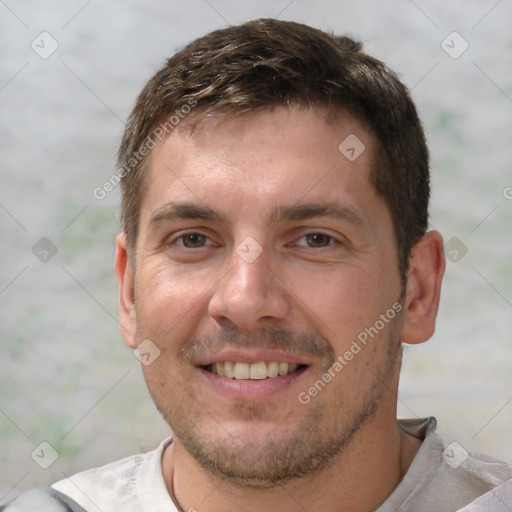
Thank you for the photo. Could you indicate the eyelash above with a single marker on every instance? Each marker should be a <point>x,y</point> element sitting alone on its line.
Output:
<point>188,234</point>
<point>331,240</point>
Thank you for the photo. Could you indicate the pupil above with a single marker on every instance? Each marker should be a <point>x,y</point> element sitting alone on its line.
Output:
<point>318,239</point>
<point>194,240</point>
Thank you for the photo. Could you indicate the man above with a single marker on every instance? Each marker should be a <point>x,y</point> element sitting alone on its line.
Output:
<point>274,257</point>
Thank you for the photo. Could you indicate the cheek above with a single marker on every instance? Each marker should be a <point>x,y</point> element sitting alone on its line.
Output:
<point>168,302</point>
<point>340,302</point>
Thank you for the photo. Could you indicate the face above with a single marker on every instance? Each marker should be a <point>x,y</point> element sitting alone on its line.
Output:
<point>267,276</point>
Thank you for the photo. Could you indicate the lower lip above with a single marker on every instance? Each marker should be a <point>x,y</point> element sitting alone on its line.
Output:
<point>251,389</point>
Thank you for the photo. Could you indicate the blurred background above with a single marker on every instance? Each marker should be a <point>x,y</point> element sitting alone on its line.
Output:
<point>69,74</point>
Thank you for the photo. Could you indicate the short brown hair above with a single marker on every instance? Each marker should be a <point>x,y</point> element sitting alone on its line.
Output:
<point>266,63</point>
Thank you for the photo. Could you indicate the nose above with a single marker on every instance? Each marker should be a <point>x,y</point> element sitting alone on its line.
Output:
<point>250,295</point>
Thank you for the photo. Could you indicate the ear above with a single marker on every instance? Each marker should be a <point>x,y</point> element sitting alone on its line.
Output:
<point>126,280</point>
<point>426,268</point>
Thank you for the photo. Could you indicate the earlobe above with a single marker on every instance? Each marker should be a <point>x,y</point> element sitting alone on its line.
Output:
<point>126,280</point>
<point>426,270</point>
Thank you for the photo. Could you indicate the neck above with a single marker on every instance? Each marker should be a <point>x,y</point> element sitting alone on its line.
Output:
<point>358,479</point>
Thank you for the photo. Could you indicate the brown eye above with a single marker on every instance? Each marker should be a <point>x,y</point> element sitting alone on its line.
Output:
<point>193,240</point>
<point>318,240</point>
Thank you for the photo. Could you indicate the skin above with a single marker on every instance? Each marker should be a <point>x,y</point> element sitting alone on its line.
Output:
<point>320,280</point>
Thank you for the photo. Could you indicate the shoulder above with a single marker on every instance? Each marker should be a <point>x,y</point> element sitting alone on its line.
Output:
<point>120,485</point>
<point>446,477</point>
<point>469,475</point>
<point>44,499</point>
<point>129,485</point>
<point>477,467</point>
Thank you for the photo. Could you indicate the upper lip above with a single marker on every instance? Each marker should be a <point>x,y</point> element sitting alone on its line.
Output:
<point>251,356</point>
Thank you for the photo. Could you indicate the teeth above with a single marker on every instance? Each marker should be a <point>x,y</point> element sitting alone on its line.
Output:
<point>258,371</point>
<point>220,369</point>
<point>241,371</point>
<point>228,369</point>
<point>273,369</point>
<point>255,371</point>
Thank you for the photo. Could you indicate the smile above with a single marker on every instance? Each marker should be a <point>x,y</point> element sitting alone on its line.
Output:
<point>256,371</point>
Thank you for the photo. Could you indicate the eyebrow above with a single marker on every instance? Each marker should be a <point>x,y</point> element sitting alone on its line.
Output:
<point>333,209</point>
<point>188,210</point>
<point>175,210</point>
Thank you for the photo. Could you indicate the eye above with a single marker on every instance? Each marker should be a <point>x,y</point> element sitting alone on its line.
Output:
<point>190,246</point>
<point>193,240</point>
<point>315,240</point>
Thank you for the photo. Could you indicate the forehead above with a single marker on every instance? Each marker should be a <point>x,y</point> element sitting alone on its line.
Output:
<point>266,159</point>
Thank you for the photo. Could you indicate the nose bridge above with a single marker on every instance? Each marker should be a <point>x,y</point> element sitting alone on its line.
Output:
<point>249,292</point>
<point>250,270</point>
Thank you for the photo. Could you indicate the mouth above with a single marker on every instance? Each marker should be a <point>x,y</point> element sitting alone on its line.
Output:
<point>253,374</point>
<point>262,370</point>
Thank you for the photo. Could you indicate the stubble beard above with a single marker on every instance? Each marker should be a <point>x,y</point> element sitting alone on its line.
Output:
<point>276,458</point>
